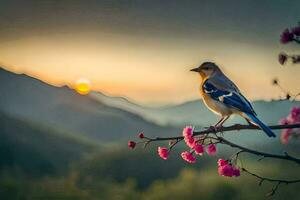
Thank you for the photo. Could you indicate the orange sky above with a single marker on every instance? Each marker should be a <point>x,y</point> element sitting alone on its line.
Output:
<point>147,60</point>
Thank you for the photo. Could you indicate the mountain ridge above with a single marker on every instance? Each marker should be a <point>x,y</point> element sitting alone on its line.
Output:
<point>27,97</point>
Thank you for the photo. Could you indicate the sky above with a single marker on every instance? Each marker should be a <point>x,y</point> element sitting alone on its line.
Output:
<point>143,50</point>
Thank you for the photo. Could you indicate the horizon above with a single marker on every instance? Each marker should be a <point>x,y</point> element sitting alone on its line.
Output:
<point>143,104</point>
<point>145,54</point>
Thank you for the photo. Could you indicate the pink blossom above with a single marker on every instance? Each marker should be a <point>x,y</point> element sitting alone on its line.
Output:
<point>131,144</point>
<point>188,157</point>
<point>190,142</point>
<point>285,135</point>
<point>295,114</point>
<point>141,135</point>
<point>188,136</point>
<point>284,121</point>
<point>198,149</point>
<point>292,118</point>
<point>225,170</point>
<point>188,131</point>
<point>236,172</point>
<point>163,152</point>
<point>286,36</point>
<point>222,162</point>
<point>211,150</point>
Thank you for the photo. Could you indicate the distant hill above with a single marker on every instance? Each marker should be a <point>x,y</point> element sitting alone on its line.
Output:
<point>63,108</point>
<point>111,119</point>
<point>195,112</point>
<point>150,113</point>
<point>38,150</point>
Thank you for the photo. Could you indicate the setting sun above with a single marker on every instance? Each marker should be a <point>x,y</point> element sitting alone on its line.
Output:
<point>83,86</point>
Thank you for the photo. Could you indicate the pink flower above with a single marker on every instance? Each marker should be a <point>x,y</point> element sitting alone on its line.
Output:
<point>211,150</point>
<point>222,162</point>
<point>163,152</point>
<point>190,142</point>
<point>131,144</point>
<point>285,136</point>
<point>292,118</point>
<point>198,149</point>
<point>188,136</point>
<point>295,114</point>
<point>236,172</point>
<point>282,58</point>
<point>188,157</point>
<point>284,121</point>
<point>286,36</point>
<point>225,170</point>
<point>141,135</point>
<point>188,131</point>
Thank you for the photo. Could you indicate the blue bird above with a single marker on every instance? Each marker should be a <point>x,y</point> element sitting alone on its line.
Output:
<point>224,98</point>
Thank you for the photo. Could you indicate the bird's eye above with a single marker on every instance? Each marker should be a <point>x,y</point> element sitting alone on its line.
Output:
<point>205,68</point>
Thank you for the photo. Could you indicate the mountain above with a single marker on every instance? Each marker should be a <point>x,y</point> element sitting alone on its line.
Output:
<point>175,115</point>
<point>150,113</point>
<point>110,119</point>
<point>195,112</point>
<point>38,150</point>
<point>61,107</point>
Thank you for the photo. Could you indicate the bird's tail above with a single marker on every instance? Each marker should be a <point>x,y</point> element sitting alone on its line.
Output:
<point>264,127</point>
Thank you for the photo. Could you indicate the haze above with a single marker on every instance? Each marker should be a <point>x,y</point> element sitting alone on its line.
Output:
<point>143,51</point>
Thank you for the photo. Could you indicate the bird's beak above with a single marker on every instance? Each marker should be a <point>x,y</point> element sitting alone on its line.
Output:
<point>195,69</point>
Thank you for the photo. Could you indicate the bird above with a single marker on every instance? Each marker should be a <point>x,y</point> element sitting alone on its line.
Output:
<point>224,98</point>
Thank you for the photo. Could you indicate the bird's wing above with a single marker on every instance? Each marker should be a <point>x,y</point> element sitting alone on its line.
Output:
<point>224,83</point>
<point>229,96</point>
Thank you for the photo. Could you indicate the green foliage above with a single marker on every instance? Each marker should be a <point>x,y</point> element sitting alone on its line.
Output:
<point>37,150</point>
<point>142,165</point>
<point>40,163</point>
<point>189,184</point>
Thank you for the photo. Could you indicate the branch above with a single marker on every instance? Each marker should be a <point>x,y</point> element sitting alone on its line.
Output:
<point>222,129</point>
<point>286,156</point>
<point>277,181</point>
<point>215,139</point>
<point>222,140</point>
<point>270,179</point>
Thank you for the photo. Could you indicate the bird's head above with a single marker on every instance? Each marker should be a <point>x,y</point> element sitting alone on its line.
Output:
<point>207,69</point>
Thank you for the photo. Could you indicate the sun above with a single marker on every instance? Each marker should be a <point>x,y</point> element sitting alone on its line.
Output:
<point>83,86</point>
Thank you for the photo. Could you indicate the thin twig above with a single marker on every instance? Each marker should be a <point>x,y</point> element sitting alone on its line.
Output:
<point>173,144</point>
<point>277,181</point>
<point>286,156</point>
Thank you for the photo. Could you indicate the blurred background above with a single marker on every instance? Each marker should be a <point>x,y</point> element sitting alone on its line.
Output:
<point>78,79</point>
